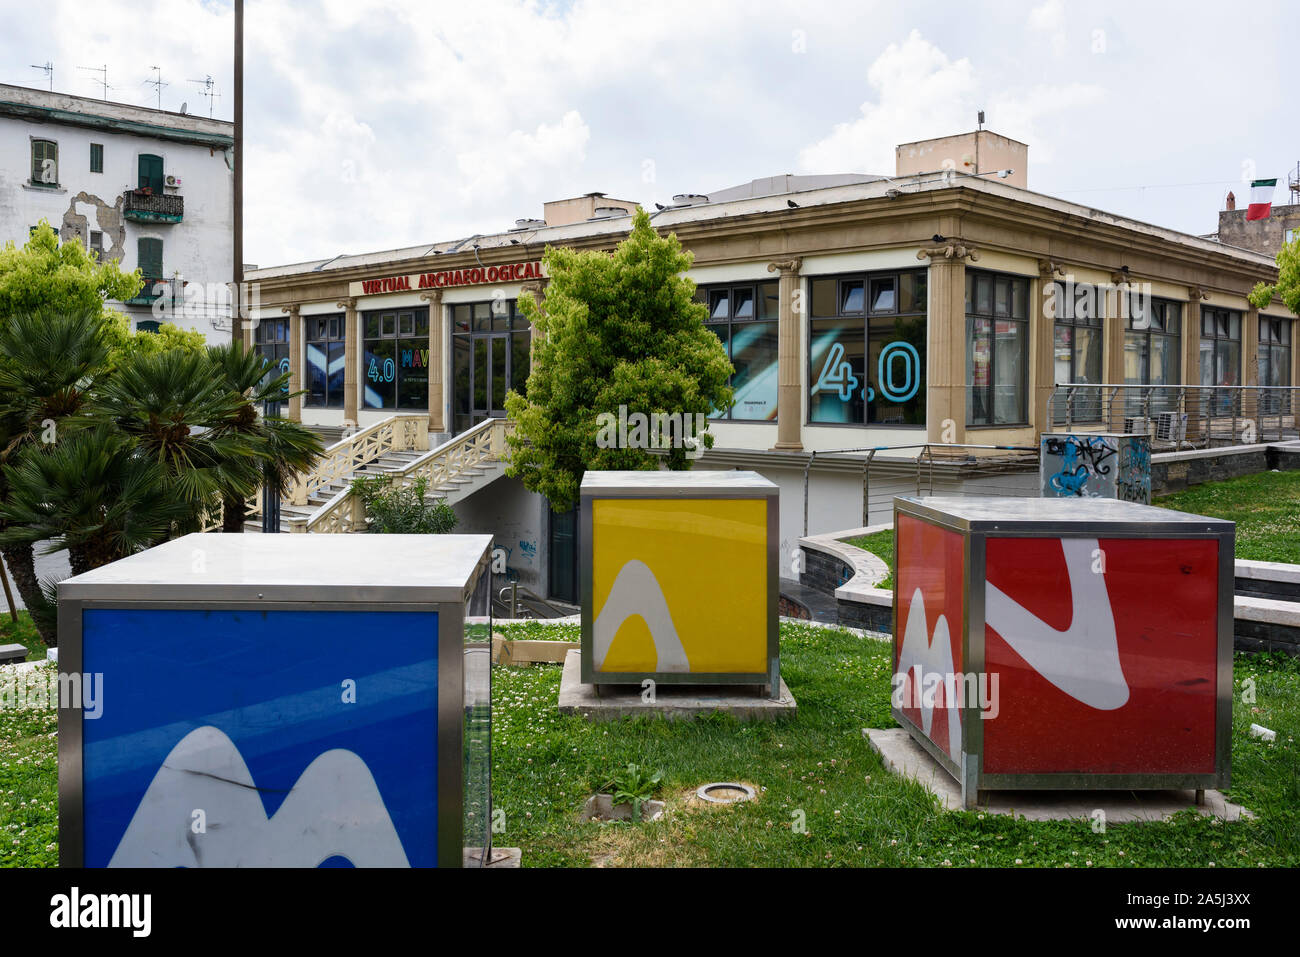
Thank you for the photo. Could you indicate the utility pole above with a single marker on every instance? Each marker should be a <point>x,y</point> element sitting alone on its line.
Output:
<point>237,299</point>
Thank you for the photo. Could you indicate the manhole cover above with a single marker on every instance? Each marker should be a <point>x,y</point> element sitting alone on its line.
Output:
<point>725,792</point>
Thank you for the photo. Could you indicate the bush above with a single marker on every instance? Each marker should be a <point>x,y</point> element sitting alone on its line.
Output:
<point>396,510</point>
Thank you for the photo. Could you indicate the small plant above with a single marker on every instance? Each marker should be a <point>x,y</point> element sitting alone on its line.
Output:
<point>634,785</point>
<point>397,510</point>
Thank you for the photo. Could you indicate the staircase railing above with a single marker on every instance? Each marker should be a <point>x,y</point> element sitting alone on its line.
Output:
<point>397,433</point>
<point>483,444</point>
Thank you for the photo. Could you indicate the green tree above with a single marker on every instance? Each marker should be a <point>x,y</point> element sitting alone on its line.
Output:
<point>281,448</point>
<point>49,363</point>
<point>1287,287</point>
<point>619,330</point>
<point>45,274</point>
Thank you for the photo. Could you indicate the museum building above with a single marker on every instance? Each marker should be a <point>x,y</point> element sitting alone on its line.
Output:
<point>942,304</point>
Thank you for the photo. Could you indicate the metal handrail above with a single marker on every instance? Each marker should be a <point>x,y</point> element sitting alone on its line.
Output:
<point>528,596</point>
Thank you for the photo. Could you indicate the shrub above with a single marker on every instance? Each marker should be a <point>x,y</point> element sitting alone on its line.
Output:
<point>393,509</point>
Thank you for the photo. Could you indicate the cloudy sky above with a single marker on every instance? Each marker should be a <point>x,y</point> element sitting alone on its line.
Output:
<point>374,124</point>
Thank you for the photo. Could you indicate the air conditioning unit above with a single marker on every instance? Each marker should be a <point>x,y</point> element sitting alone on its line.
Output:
<point>1171,426</point>
<point>174,182</point>
<point>1137,425</point>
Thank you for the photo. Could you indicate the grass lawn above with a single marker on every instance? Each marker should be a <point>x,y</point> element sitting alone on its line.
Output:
<point>1265,506</point>
<point>816,770</point>
<point>29,773</point>
<point>21,632</point>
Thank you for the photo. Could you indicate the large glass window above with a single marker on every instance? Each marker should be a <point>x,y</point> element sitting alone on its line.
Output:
<point>1220,357</point>
<point>1274,362</point>
<point>490,350</point>
<point>1076,348</point>
<point>271,342</point>
<point>1152,352</point>
<point>395,358</point>
<point>997,348</point>
<point>324,341</point>
<point>744,317</point>
<point>866,348</point>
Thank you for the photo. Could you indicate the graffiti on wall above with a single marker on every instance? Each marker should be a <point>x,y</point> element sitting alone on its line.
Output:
<point>1096,466</point>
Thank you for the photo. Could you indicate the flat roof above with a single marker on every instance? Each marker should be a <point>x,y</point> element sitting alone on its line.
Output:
<point>866,187</point>
<point>1069,517</point>
<point>272,568</point>
<point>23,102</point>
<point>677,484</point>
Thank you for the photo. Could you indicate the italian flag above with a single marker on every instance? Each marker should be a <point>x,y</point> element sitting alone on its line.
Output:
<point>1261,198</point>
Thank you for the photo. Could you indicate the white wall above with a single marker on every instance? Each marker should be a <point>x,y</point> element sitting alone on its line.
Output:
<point>199,247</point>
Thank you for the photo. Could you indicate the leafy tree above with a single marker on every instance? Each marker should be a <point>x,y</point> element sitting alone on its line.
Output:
<point>1288,280</point>
<point>49,363</point>
<point>614,330</point>
<point>392,509</point>
<point>281,448</point>
<point>45,274</point>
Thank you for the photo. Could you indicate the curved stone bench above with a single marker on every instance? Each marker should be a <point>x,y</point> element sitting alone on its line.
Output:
<point>851,574</point>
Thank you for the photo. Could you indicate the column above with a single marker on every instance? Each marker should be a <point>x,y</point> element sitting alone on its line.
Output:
<point>946,385</point>
<point>1042,345</point>
<point>1249,366</point>
<point>350,353</point>
<point>789,370</point>
<point>1192,360</point>
<point>1112,326</point>
<point>295,360</point>
<point>537,289</point>
<point>437,401</point>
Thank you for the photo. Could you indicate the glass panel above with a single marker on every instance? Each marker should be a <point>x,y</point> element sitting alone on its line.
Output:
<point>477,743</point>
<point>836,358</point>
<point>460,319</point>
<point>500,315</point>
<point>1087,368</point>
<point>823,298</point>
<point>769,300</point>
<point>337,371</point>
<point>1009,373</point>
<point>979,358</point>
<point>850,297</point>
<point>1062,354</point>
<point>742,304</point>
<point>317,374</point>
<point>1207,362</point>
<point>896,370</point>
<point>719,305</point>
<point>482,316</point>
<point>754,354</point>
<point>1136,358</point>
<point>1207,323</point>
<point>387,324</point>
<point>1164,361</point>
<point>460,374</point>
<point>413,373</point>
<point>499,381</point>
<point>422,322</point>
<point>1002,297</point>
<point>370,323</point>
<point>406,324</point>
<point>480,374</point>
<point>723,331</point>
<point>379,373</point>
<point>564,555</point>
<point>883,295</point>
<point>983,295</point>
<point>520,361</point>
<point>1234,326</point>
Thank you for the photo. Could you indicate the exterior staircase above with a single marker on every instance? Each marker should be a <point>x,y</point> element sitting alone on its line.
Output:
<point>319,501</point>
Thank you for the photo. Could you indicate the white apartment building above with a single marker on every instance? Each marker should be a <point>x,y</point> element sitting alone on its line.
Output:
<point>149,188</point>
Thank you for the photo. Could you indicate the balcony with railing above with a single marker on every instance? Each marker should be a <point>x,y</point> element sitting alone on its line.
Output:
<point>146,206</point>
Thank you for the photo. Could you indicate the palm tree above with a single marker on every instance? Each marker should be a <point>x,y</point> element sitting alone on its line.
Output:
<point>283,448</point>
<point>49,363</point>
<point>95,494</point>
<point>176,409</point>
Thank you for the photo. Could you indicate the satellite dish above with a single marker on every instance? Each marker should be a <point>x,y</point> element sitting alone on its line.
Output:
<point>184,105</point>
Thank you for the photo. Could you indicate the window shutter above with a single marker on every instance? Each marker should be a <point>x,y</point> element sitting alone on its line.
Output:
<point>150,257</point>
<point>151,173</point>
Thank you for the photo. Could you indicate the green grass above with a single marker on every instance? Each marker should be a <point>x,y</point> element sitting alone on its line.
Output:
<point>1265,506</point>
<point>21,632</point>
<point>29,775</point>
<point>817,768</point>
<point>880,544</point>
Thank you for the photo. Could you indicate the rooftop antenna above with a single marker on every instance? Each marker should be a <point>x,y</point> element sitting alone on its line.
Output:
<point>48,67</point>
<point>157,83</point>
<point>207,90</point>
<point>104,82</point>
<point>1293,181</point>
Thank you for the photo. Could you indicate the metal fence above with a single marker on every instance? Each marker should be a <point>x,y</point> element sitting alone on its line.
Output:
<point>932,468</point>
<point>1177,417</point>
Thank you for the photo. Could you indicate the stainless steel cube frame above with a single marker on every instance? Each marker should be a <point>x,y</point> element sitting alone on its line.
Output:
<point>977,520</point>
<point>446,574</point>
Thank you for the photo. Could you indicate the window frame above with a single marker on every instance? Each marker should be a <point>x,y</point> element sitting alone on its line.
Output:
<point>516,329</point>
<point>864,281</point>
<point>97,157</point>
<point>972,313</point>
<point>34,141</point>
<point>706,294</point>
<point>392,332</point>
<point>313,336</point>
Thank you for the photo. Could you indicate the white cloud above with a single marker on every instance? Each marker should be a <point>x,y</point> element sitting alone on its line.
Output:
<point>522,159</point>
<point>1049,20</point>
<point>921,93</point>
